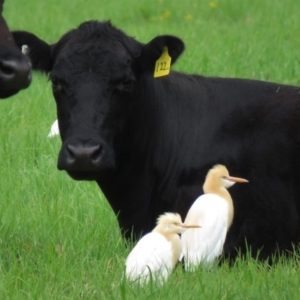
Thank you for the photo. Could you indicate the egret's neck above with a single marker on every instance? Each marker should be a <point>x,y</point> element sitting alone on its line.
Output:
<point>175,241</point>
<point>209,188</point>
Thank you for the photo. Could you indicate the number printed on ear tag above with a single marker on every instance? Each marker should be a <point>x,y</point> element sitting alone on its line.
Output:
<point>163,64</point>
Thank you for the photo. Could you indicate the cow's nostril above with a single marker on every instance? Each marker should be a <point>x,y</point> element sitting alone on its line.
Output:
<point>6,68</point>
<point>96,153</point>
<point>83,154</point>
<point>70,150</point>
<point>15,73</point>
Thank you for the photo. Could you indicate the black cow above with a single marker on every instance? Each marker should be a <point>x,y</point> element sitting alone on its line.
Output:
<point>15,67</point>
<point>149,142</point>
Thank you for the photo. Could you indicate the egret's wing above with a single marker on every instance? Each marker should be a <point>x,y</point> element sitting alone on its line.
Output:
<point>206,243</point>
<point>152,254</point>
<point>54,129</point>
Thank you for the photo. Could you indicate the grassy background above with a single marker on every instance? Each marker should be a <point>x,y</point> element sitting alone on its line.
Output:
<point>59,238</point>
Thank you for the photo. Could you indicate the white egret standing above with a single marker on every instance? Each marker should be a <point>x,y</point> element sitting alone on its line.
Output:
<point>156,254</point>
<point>214,211</point>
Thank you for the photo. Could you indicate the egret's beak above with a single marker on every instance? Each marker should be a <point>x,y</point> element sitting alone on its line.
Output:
<point>190,226</point>
<point>236,179</point>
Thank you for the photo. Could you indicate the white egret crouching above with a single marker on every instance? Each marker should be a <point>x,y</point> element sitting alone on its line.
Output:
<point>157,253</point>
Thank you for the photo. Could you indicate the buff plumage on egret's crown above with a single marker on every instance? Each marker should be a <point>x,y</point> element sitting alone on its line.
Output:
<point>214,211</point>
<point>157,253</point>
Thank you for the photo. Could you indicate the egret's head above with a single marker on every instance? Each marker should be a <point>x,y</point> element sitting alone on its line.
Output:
<point>172,223</point>
<point>219,175</point>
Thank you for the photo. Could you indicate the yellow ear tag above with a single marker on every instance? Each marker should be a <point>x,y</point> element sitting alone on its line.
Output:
<point>163,64</point>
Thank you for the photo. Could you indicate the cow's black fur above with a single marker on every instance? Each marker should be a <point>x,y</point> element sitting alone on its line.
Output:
<point>15,68</point>
<point>149,142</point>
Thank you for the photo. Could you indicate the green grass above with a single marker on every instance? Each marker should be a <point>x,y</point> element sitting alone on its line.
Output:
<point>59,239</point>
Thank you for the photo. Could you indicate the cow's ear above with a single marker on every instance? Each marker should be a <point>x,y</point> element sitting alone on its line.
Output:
<point>38,51</point>
<point>154,49</point>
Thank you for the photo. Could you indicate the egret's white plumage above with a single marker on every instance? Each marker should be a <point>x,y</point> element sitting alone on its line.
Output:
<point>156,254</point>
<point>54,129</point>
<point>214,211</point>
<point>151,253</point>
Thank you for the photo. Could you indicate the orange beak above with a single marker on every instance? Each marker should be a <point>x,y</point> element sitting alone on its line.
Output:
<point>236,179</point>
<point>190,226</point>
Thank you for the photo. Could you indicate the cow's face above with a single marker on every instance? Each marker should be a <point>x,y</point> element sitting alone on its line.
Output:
<point>15,67</point>
<point>92,79</point>
<point>95,71</point>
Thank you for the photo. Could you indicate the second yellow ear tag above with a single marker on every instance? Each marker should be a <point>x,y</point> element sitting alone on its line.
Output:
<point>163,64</point>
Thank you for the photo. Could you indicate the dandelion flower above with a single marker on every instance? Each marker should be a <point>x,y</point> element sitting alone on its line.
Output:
<point>188,17</point>
<point>212,4</point>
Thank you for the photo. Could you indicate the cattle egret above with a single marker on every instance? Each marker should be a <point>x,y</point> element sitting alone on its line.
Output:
<point>156,254</point>
<point>214,211</point>
<point>54,129</point>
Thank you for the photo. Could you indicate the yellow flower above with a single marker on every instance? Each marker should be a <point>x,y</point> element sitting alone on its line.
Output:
<point>188,17</point>
<point>212,4</point>
<point>165,15</point>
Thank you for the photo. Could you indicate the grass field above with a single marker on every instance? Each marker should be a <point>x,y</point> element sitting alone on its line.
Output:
<point>59,238</point>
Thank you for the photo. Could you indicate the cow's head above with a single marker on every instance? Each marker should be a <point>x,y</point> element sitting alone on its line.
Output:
<point>15,67</point>
<point>95,71</point>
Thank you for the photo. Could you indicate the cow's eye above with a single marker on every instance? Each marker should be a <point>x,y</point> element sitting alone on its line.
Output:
<point>125,84</point>
<point>56,85</point>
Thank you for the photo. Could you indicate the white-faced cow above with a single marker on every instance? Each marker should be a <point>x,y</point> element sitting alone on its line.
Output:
<point>149,142</point>
<point>15,67</point>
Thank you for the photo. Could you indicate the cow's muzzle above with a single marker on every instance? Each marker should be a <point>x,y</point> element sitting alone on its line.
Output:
<point>81,156</point>
<point>15,75</point>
